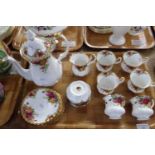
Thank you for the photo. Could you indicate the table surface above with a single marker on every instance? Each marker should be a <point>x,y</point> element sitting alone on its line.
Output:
<point>17,122</point>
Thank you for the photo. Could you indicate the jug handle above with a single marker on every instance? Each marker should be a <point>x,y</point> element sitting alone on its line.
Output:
<point>152,105</point>
<point>65,53</point>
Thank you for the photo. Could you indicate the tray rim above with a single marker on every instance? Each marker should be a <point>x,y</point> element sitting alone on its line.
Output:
<point>77,47</point>
<point>119,47</point>
<point>15,94</point>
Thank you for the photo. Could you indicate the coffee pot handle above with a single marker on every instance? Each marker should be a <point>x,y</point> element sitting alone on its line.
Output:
<point>119,59</point>
<point>65,53</point>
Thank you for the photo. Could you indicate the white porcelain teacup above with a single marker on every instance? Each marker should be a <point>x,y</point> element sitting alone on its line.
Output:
<point>117,38</point>
<point>81,63</point>
<point>108,82</point>
<point>132,60</point>
<point>114,106</point>
<point>142,107</point>
<point>139,81</point>
<point>105,61</point>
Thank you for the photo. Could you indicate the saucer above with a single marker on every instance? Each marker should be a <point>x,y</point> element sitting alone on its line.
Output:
<point>132,88</point>
<point>76,72</point>
<point>41,106</point>
<point>99,68</point>
<point>104,92</point>
<point>126,68</point>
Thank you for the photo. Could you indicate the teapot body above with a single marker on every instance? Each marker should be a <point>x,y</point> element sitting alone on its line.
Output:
<point>47,74</point>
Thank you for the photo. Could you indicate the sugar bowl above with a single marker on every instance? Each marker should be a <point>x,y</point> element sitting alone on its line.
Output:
<point>78,93</point>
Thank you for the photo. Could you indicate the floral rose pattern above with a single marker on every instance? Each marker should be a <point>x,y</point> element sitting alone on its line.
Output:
<point>144,100</point>
<point>140,71</point>
<point>106,52</point>
<point>44,67</point>
<point>118,99</point>
<point>130,53</point>
<point>28,112</point>
<point>32,93</point>
<point>51,96</point>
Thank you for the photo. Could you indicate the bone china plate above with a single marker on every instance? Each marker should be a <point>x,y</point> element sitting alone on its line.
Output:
<point>41,106</point>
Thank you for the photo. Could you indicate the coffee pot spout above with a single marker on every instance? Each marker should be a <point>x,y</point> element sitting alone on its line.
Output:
<point>25,73</point>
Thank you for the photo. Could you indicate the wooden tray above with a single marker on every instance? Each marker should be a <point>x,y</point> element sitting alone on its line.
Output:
<point>91,116</point>
<point>11,36</point>
<point>72,33</point>
<point>101,41</point>
<point>12,85</point>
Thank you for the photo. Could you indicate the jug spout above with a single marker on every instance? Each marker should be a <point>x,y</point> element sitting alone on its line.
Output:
<point>25,73</point>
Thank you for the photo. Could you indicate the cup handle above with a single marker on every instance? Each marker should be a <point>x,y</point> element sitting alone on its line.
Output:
<point>145,59</point>
<point>123,104</point>
<point>92,58</point>
<point>122,79</point>
<point>119,59</point>
<point>152,105</point>
<point>152,84</point>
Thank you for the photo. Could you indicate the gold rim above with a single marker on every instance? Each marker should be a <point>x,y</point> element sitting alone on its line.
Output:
<point>52,118</point>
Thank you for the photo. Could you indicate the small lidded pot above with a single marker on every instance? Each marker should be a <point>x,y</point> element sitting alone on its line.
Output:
<point>105,61</point>
<point>114,106</point>
<point>139,81</point>
<point>78,93</point>
<point>81,63</point>
<point>142,107</point>
<point>132,60</point>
